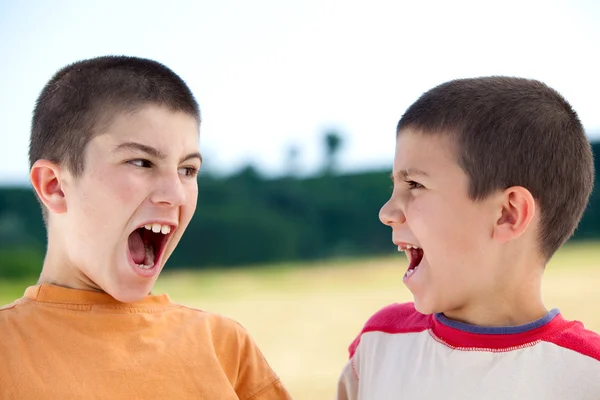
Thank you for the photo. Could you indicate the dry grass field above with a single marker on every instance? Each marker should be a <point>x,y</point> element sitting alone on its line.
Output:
<point>304,316</point>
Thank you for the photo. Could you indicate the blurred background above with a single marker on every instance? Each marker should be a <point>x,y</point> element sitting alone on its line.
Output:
<point>299,103</point>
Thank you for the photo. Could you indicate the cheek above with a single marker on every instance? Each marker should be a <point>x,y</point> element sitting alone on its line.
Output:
<point>444,230</point>
<point>104,202</point>
<point>122,188</point>
<point>191,200</point>
<point>432,218</point>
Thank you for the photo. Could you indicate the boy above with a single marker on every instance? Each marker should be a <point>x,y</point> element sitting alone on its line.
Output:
<point>491,176</point>
<point>114,157</point>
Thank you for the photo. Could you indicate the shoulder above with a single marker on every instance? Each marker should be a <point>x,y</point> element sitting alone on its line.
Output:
<point>12,307</point>
<point>393,319</point>
<point>224,332</point>
<point>239,356</point>
<point>8,306</point>
<point>216,322</point>
<point>577,338</point>
<point>398,318</point>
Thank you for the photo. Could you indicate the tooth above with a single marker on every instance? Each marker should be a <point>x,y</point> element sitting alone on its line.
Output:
<point>155,228</point>
<point>148,226</point>
<point>408,246</point>
<point>165,229</point>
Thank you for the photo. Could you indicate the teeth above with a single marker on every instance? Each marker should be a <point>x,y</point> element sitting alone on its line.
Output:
<point>407,247</point>
<point>142,266</point>
<point>156,228</point>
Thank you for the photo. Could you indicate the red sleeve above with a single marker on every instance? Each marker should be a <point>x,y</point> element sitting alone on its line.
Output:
<point>575,337</point>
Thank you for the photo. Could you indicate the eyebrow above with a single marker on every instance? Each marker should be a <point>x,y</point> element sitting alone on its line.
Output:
<point>409,172</point>
<point>153,152</point>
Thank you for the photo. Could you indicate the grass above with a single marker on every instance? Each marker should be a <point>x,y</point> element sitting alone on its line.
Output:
<point>304,316</point>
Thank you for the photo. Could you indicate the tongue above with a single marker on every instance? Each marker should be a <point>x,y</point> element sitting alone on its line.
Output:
<point>136,247</point>
<point>416,255</point>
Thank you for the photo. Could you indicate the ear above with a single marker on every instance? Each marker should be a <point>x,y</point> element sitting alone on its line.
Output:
<point>517,210</point>
<point>46,180</point>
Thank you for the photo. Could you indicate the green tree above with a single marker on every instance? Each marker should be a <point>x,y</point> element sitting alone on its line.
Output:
<point>333,142</point>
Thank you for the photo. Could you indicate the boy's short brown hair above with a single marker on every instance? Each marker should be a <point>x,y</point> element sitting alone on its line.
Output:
<point>514,132</point>
<point>82,98</point>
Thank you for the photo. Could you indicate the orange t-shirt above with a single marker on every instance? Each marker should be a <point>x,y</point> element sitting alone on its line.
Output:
<point>59,343</point>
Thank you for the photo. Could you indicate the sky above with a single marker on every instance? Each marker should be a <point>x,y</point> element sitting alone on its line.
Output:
<point>274,74</point>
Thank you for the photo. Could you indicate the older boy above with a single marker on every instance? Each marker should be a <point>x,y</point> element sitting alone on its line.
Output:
<point>491,176</point>
<point>114,157</point>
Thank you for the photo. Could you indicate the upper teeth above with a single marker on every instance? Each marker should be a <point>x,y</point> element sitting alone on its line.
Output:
<point>164,229</point>
<point>407,247</point>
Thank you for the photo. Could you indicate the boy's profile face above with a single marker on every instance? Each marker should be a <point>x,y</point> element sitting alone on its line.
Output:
<point>430,208</point>
<point>140,173</point>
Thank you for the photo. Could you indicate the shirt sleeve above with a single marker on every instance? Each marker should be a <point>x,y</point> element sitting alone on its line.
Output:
<point>255,378</point>
<point>274,391</point>
<point>347,388</point>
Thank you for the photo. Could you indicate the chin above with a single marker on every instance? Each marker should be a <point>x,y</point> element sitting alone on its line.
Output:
<point>127,291</point>
<point>425,307</point>
<point>129,295</point>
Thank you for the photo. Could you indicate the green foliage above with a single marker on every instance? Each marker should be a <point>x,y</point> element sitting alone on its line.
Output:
<point>247,220</point>
<point>333,143</point>
<point>589,227</point>
<point>20,262</point>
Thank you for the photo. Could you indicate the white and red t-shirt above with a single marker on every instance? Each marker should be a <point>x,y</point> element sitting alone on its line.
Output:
<point>403,354</point>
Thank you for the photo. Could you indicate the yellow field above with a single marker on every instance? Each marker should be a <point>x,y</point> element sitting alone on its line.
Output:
<point>304,318</point>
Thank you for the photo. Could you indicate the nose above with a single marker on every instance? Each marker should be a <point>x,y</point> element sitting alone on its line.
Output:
<point>391,213</point>
<point>169,190</point>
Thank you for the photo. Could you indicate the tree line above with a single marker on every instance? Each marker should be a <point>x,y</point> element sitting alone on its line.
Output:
<point>245,219</point>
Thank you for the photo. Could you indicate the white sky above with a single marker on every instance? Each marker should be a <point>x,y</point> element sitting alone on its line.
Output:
<point>272,73</point>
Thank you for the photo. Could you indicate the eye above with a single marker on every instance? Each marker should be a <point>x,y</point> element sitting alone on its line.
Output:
<point>189,172</point>
<point>140,162</point>
<point>414,185</point>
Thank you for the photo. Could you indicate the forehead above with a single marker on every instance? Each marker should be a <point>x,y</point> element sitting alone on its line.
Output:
<point>151,125</point>
<point>428,152</point>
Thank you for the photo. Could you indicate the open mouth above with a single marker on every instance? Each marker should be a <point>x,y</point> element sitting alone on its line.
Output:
<point>414,255</point>
<point>147,243</point>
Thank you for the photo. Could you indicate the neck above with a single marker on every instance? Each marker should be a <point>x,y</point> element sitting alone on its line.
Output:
<point>500,313</point>
<point>63,278</point>
<point>59,270</point>
<point>514,296</point>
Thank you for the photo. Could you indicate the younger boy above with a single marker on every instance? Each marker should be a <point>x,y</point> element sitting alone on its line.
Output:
<point>491,176</point>
<point>114,157</point>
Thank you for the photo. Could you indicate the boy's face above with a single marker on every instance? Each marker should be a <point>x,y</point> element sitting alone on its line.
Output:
<point>430,208</point>
<point>139,173</point>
